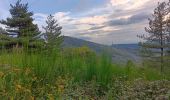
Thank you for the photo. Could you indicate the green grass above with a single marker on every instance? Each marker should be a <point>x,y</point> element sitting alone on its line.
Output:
<point>46,73</point>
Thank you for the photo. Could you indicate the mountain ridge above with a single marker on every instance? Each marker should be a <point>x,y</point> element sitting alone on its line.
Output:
<point>118,54</point>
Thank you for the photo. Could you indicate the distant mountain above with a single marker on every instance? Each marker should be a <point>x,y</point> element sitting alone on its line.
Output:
<point>120,53</point>
<point>126,46</point>
<point>132,49</point>
<point>70,42</point>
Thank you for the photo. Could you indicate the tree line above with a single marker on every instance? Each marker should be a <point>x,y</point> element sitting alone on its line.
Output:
<point>21,32</point>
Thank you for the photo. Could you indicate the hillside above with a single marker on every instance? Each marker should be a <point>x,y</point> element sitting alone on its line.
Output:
<point>132,49</point>
<point>126,46</point>
<point>120,53</point>
<point>70,42</point>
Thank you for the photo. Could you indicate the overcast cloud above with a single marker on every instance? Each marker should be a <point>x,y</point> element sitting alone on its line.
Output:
<point>106,22</point>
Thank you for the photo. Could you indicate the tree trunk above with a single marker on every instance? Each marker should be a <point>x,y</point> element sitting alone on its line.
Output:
<point>162,50</point>
<point>162,61</point>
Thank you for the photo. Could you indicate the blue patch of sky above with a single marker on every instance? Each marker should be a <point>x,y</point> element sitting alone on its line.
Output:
<point>53,6</point>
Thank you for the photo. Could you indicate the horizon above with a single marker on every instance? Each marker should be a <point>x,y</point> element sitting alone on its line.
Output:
<point>103,44</point>
<point>100,21</point>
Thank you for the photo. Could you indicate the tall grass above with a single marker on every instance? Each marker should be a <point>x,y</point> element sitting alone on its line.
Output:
<point>82,63</point>
<point>39,70</point>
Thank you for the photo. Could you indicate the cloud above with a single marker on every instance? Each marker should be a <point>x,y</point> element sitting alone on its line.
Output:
<point>40,20</point>
<point>62,17</point>
<point>97,27</point>
<point>106,24</point>
<point>93,20</point>
<point>117,21</point>
<point>129,4</point>
<point>137,18</point>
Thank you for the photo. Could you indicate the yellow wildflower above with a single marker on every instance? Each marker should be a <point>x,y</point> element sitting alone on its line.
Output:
<point>27,71</point>
<point>16,70</point>
<point>32,98</point>
<point>51,97</point>
<point>60,88</point>
<point>18,87</point>
<point>1,74</point>
<point>34,78</point>
<point>27,90</point>
<point>11,98</point>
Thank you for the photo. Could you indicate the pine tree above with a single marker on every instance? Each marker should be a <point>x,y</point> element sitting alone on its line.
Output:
<point>52,33</point>
<point>20,25</point>
<point>156,40</point>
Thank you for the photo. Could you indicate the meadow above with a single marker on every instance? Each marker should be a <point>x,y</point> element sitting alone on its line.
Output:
<point>77,73</point>
<point>37,62</point>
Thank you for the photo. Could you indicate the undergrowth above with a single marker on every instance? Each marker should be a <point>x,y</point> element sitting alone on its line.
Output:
<point>75,73</point>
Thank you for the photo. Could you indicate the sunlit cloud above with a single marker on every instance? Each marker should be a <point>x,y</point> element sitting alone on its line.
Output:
<point>114,21</point>
<point>129,4</point>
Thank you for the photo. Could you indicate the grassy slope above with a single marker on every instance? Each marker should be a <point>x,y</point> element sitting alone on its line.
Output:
<point>73,73</point>
<point>119,55</point>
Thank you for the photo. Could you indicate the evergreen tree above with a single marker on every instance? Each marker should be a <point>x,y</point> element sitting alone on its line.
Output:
<point>20,26</point>
<point>156,40</point>
<point>52,33</point>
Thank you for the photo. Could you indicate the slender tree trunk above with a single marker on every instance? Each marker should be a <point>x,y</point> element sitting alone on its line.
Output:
<point>162,51</point>
<point>162,61</point>
<point>162,48</point>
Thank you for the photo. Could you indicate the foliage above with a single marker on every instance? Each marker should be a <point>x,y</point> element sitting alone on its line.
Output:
<point>158,32</point>
<point>74,73</point>
<point>52,33</point>
<point>20,27</point>
<point>143,90</point>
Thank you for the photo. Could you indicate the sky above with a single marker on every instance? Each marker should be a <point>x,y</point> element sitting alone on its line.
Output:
<point>101,21</point>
